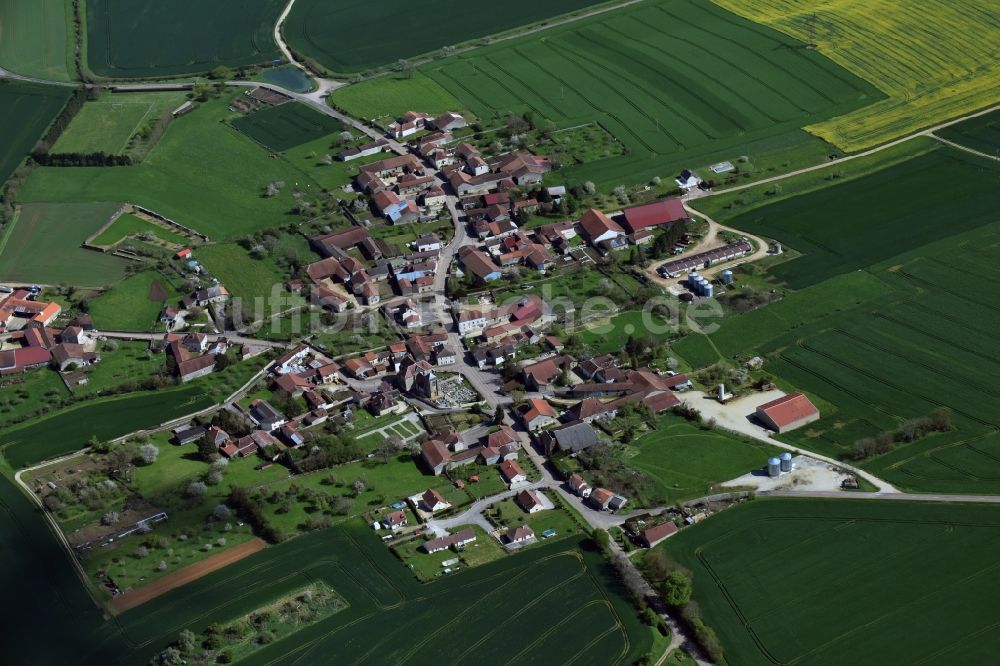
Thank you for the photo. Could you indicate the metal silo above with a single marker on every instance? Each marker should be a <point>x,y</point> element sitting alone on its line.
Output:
<point>727,277</point>
<point>773,467</point>
<point>709,290</point>
<point>786,462</point>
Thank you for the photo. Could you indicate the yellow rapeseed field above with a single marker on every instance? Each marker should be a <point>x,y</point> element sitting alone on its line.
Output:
<point>934,59</point>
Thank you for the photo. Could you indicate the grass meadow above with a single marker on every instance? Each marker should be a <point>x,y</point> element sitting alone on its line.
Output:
<point>339,36</point>
<point>43,245</point>
<point>286,126</point>
<point>107,124</point>
<point>26,111</point>
<point>150,39</point>
<point>34,38</point>
<point>129,306</point>
<point>393,95</point>
<point>131,225</point>
<point>841,581</point>
<point>686,461</point>
<point>202,173</point>
<point>755,88</point>
<point>250,279</point>
<point>928,76</point>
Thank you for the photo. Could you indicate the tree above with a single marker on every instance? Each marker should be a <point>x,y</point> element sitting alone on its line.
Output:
<point>222,512</point>
<point>359,485</point>
<point>148,453</point>
<point>196,489</point>
<point>601,539</point>
<point>221,73</point>
<point>389,447</point>
<point>186,641</point>
<point>676,588</point>
<point>111,518</point>
<point>498,415</point>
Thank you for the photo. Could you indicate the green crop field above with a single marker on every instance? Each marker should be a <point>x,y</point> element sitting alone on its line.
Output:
<point>340,36</point>
<point>687,461</point>
<point>862,222</point>
<point>754,90</point>
<point>34,38</point>
<point>130,225</point>
<point>286,126</point>
<point>71,429</point>
<point>152,39</point>
<point>44,245</point>
<point>131,305</point>
<point>107,124</point>
<point>841,581</point>
<point>25,113</point>
<point>202,173</point>
<point>577,609</point>
<point>982,133</point>
<point>907,334</point>
<point>928,75</point>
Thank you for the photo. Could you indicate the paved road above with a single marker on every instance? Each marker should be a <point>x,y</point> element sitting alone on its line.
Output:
<point>7,74</point>
<point>904,497</point>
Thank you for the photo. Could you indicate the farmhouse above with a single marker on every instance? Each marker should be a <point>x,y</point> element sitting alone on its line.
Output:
<point>478,264</point>
<point>65,355</point>
<point>600,498</point>
<point>265,415</point>
<point>787,412</point>
<point>573,437</point>
<point>654,535</point>
<point>656,214</point>
<point>543,375</point>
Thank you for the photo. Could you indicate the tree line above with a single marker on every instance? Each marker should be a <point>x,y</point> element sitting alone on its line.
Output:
<point>98,159</point>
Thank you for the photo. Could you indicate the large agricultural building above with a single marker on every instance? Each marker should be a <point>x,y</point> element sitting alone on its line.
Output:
<point>787,412</point>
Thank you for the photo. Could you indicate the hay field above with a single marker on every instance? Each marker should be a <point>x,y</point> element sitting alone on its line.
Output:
<point>934,60</point>
<point>841,581</point>
<point>34,38</point>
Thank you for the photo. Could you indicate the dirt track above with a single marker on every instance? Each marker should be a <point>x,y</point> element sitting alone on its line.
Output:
<point>193,572</point>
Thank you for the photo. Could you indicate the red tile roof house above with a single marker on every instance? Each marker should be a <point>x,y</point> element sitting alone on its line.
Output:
<point>512,473</point>
<point>543,375</point>
<point>395,520</point>
<point>656,214</point>
<point>537,414</point>
<point>602,232</point>
<point>787,412</point>
<point>578,485</point>
<point>433,501</point>
<point>600,498</point>
<point>654,535</point>
<point>529,501</point>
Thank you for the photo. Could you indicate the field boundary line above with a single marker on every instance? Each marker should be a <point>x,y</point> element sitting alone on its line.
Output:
<point>8,229</point>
